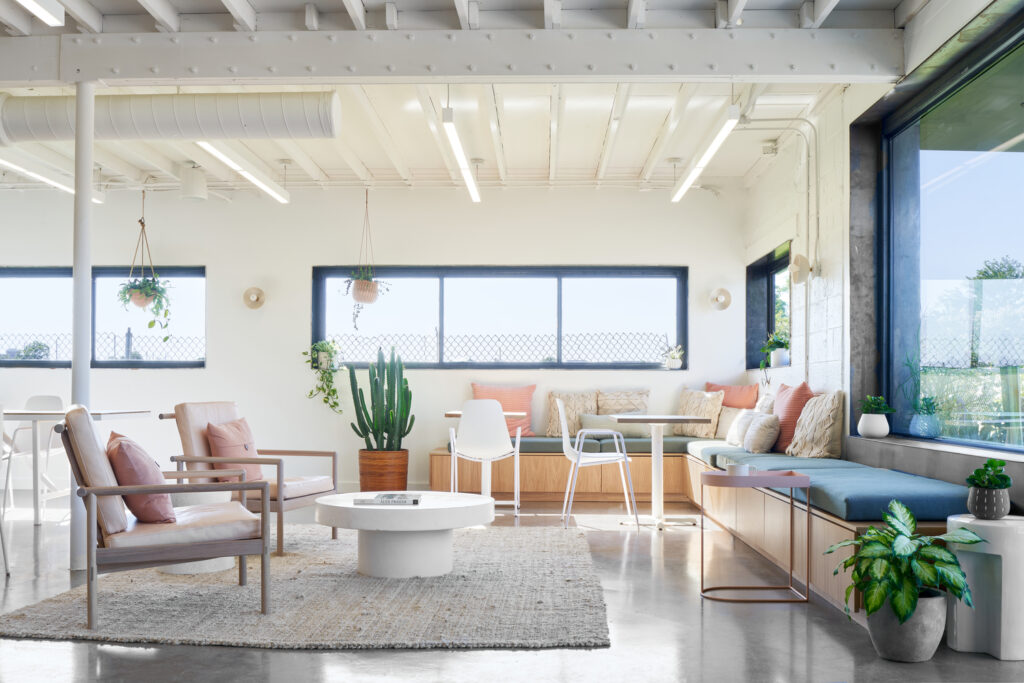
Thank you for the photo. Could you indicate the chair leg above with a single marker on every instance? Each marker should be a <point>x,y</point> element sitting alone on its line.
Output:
<point>90,562</point>
<point>3,549</point>
<point>242,571</point>
<point>8,495</point>
<point>636,513</point>
<point>572,493</point>
<point>334,533</point>
<point>568,483</point>
<point>265,580</point>
<point>625,491</point>
<point>280,530</point>
<point>515,484</point>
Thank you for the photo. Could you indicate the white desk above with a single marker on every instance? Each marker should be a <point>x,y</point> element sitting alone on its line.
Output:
<point>657,423</point>
<point>37,416</point>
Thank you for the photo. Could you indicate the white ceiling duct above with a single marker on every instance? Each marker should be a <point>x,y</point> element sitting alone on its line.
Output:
<point>182,117</point>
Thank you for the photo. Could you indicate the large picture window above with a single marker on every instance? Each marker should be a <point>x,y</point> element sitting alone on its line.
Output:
<point>954,285</point>
<point>507,317</point>
<point>768,301</point>
<point>35,317</point>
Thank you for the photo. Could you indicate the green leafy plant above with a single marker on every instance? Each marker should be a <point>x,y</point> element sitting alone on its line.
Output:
<point>324,388</point>
<point>675,352</point>
<point>874,405</point>
<point>34,350</point>
<point>896,564</point>
<point>388,418</point>
<point>991,476</point>
<point>774,341</point>
<point>143,288</point>
<point>926,405</point>
<point>363,273</point>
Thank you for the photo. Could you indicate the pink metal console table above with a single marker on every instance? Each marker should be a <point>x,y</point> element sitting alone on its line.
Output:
<point>788,479</point>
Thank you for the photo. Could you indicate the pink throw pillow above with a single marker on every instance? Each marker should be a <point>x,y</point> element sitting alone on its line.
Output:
<point>742,396</point>
<point>789,403</point>
<point>512,399</point>
<point>233,440</point>
<point>133,467</point>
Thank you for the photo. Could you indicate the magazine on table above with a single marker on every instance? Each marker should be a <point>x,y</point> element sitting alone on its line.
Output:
<point>390,499</point>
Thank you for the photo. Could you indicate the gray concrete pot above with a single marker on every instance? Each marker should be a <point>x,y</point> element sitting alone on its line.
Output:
<point>988,503</point>
<point>918,637</point>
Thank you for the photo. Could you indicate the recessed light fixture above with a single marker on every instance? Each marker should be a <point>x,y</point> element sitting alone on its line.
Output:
<point>732,117</point>
<point>448,120</point>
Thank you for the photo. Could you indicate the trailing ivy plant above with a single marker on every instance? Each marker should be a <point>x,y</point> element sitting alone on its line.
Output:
<point>991,476</point>
<point>146,287</point>
<point>324,387</point>
<point>896,564</point>
<point>363,273</point>
<point>875,405</point>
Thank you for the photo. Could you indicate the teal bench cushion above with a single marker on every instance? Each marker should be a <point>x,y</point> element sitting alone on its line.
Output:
<point>674,445</point>
<point>775,462</point>
<point>550,444</point>
<point>709,450</point>
<point>863,493</point>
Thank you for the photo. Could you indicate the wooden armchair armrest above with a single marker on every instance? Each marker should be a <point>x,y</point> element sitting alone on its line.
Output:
<point>84,491</point>
<point>202,474</point>
<point>275,451</point>
<point>254,460</point>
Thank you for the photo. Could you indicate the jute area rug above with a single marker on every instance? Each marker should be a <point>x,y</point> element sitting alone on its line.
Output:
<point>511,588</point>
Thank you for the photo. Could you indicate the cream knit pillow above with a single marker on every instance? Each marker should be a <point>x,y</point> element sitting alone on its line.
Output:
<point>819,429</point>
<point>624,401</point>
<point>739,427</point>
<point>761,436</point>
<point>700,404</point>
<point>576,404</point>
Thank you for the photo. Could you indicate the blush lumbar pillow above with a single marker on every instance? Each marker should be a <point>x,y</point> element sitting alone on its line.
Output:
<point>789,403</point>
<point>513,400</point>
<point>627,429</point>
<point>738,428</point>
<point>133,467</point>
<point>576,404</point>
<point>736,396</point>
<point>233,440</point>
<point>762,433</point>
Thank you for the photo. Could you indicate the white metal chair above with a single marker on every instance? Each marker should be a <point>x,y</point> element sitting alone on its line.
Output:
<point>483,437</point>
<point>41,402</point>
<point>5,456</point>
<point>579,459</point>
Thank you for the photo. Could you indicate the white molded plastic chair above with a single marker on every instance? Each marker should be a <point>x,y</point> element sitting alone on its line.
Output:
<point>5,455</point>
<point>580,459</point>
<point>12,449</point>
<point>483,437</point>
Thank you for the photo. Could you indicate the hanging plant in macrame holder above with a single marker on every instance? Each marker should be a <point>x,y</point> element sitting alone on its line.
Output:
<point>142,291</point>
<point>363,284</point>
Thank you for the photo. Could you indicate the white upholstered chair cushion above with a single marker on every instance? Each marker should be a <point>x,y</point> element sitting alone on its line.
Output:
<point>297,487</point>
<point>95,467</point>
<point>195,524</point>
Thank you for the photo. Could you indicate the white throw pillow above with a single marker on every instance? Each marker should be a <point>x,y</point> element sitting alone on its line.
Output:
<point>739,427</point>
<point>765,404</point>
<point>627,430</point>
<point>762,434</point>
<point>725,420</point>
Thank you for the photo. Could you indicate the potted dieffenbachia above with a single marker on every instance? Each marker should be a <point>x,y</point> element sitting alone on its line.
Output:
<point>989,495</point>
<point>873,423</point>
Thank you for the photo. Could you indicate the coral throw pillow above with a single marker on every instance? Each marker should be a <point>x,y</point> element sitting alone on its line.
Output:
<point>789,403</point>
<point>736,396</point>
<point>512,399</point>
<point>233,440</point>
<point>133,467</point>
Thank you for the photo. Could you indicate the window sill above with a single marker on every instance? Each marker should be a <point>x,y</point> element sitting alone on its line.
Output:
<point>946,447</point>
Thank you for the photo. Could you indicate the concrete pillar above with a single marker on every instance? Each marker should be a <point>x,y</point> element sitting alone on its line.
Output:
<point>81,345</point>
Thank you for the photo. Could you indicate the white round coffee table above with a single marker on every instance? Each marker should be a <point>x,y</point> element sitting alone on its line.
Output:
<point>399,541</point>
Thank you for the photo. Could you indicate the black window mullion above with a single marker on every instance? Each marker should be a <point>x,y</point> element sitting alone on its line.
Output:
<point>558,341</point>
<point>440,320</point>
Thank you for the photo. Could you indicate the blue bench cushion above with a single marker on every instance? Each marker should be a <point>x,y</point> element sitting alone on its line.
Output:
<point>550,444</point>
<point>863,493</point>
<point>708,451</point>
<point>673,444</point>
<point>774,462</point>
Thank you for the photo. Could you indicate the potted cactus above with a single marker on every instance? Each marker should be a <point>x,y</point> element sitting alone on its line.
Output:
<point>382,424</point>
<point>989,495</point>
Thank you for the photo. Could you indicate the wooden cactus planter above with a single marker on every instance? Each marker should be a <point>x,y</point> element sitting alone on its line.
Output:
<point>383,470</point>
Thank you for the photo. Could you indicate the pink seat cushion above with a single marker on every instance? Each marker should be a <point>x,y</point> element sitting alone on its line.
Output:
<point>736,396</point>
<point>789,403</point>
<point>133,467</point>
<point>512,400</point>
<point>233,440</point>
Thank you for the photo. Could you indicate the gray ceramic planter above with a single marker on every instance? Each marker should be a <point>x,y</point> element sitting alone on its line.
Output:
<point>918,637</point>
<point>988,503</point>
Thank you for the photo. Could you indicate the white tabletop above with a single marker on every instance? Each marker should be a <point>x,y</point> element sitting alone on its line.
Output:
<point>40,415</point>
<point>639,418</point>
<point>436,510</point>
<point>506,413</point>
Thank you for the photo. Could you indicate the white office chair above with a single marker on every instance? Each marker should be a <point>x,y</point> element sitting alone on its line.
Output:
<point>483,437</point>
<point>579,459</point>
<point>5,455</point>
<point>41,402</point>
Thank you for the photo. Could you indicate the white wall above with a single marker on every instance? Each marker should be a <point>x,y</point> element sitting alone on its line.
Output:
<point>254,356</point>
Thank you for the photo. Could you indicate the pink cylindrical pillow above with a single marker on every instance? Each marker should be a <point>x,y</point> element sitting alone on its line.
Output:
<point>133,467</point>
<point>512,399</point>
<point>233,440</point>
<point>736,396</point>
<point>789,403</point>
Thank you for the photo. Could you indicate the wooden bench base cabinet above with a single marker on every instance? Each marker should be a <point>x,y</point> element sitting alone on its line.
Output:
<point>758,517</point>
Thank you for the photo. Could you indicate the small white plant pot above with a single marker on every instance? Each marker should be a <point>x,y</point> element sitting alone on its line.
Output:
<point>873,426</point>
<point>323,360</point>
<point>779,358</point>
<point>673,363</point>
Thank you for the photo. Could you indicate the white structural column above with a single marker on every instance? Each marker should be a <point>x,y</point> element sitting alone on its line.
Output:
<point>81,273</point>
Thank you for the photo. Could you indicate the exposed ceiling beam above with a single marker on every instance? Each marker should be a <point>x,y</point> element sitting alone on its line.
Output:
<point>728,13</point>
<point>636,14</point>
<point>145,157</point>
<point>356,12</point>
<point>214,167</point>
<point>469,13</point>
<point>85,15</point>
<point>243,14</point>
<point>391,16</point>
<point>814,12</point>
<point>115,165</point>
<point>164,13</point>
<point>312,18</point>
<point>668,129</point>
<point>619,103</point>
<point>351,160</point>
<point>552,13</point>
<point>303,160</point>
<point>248,165</point>
<point>13,160</point>
<point>907,10</point>
<point>557,110</point>
<point>15,18</point>
<point>381,132</point>
<point>494,115</point>
<point>433,116</point>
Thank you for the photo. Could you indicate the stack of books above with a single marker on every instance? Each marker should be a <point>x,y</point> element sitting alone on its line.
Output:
<point>390,499</point>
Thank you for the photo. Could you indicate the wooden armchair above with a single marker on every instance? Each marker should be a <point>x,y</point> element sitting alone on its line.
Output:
<point>286,493</point>
<point>116,542</point>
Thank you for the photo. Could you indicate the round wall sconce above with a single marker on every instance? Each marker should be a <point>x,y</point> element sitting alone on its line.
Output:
<point>254,297</point>
<point>800,269</point>
<point>720,299</point>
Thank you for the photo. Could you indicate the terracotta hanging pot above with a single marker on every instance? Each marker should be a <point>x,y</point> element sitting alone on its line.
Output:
<point>140,299</point>
<point>365,291</point>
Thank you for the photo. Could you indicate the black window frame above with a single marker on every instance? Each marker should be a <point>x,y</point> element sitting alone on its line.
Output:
<point>679,273</point>
<point>29,272</point>
<point>956,76</point>
<point>167,272</point>
<point>761,292</point>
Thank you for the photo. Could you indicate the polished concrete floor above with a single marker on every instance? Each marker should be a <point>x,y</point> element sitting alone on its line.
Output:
<point>660,628</point>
